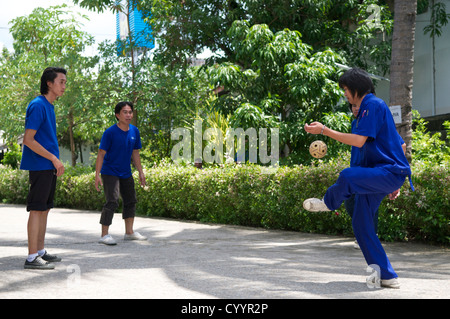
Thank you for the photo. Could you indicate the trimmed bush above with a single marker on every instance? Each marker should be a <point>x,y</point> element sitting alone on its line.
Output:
<point>13,185</point>
<point>252,195</point>
<point>78,191</point>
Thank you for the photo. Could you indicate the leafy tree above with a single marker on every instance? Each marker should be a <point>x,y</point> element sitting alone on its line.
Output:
<point>283,83</point>
<point>164,97</point>
<point>185,28</point>
<point>49,37</point>
<point>427,147</point>
<point>12,156</point>
<point>172,99</point>
<point>358,30</point>
<point>439,16</point>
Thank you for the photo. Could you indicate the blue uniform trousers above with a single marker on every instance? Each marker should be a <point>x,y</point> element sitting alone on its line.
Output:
<point>370,186</point>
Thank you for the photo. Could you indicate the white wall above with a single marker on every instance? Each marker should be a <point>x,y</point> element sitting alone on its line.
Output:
<point>66,156</point>
<point>430,93</point>
<point>430,96</point>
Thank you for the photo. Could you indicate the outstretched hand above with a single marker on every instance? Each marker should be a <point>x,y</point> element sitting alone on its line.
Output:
<point>314,128</point>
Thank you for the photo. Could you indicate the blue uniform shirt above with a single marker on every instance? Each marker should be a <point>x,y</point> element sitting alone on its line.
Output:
<point>40,116</point>
<point>356,151</point>
<point>119,146</point>
<point>383,147</point>
<point>354,158</point>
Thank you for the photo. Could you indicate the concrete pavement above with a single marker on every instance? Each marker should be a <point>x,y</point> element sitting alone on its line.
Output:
<point>190,260</point>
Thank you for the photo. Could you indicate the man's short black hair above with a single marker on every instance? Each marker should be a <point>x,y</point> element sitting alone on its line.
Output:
<point>357,82</point>
<point>49,75</point>
<point>121,105</point>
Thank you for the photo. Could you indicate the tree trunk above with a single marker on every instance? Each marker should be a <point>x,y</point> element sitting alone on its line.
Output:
<point>402,64</point>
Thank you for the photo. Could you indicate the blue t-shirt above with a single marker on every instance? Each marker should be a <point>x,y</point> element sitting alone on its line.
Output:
<point>119,146</point>
<point>40,116</point>
<point>383,147</point>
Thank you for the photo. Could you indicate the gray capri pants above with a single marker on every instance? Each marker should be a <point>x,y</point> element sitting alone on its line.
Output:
<point>115,187</point>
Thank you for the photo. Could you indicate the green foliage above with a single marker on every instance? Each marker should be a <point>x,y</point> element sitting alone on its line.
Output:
<point>427,147</point>
<point>12,156</point>
<point>169,100</point>
<point>439,19</point>
<point>257,196</point>
<point>278,57</point>
<point>423,214</point>
<point>78,190</point>
<point>185,28</point>
<point>51,37</point>
<point>279,82</point>
<point>271,70</point>
<point>162,97</point>
<point>13,185</point>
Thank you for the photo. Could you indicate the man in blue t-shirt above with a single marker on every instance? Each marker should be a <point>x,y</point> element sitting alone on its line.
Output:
<point>119,146</point>
<point>40,157</point>
<point>382,169</point>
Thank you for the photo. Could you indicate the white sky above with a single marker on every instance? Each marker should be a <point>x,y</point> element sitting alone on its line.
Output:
<point>100,25</point>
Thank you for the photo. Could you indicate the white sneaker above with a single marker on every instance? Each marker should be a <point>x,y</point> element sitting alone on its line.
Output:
<point>390,283</point>
<point>107,240</point>
<point>315,205</point>
<point>134,236</point>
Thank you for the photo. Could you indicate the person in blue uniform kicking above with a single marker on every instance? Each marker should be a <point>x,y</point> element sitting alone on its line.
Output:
<point>382,171</point>
<point>354,161</point>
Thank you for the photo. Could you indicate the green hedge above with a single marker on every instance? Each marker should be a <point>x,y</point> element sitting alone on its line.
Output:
<point>75,189</point>
<point>254,196</point>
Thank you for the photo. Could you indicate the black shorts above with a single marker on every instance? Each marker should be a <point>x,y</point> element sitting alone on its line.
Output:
<point>42,190</point>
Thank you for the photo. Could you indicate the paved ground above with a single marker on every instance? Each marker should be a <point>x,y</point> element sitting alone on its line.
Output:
<point>188,260</point>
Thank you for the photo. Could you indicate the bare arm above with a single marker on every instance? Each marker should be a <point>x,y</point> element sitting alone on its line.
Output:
<point>36,147</point>
<point>136,157</point>
<point>98,167</point>
<point>346,138</point>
